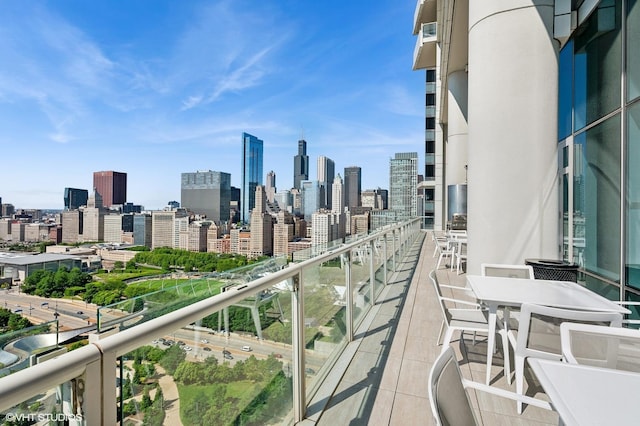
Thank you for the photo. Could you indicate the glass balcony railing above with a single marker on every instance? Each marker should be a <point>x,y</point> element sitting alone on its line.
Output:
<point>248,347</point>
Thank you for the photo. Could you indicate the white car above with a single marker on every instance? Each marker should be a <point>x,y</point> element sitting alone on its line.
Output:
<point>204,341</point>
<point>186,348</point>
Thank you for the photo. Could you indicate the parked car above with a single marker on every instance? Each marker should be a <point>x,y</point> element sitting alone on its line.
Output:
<point>228,356</point>
<point>277,355</point>
<point>204,341</point>
<point>206,349</point>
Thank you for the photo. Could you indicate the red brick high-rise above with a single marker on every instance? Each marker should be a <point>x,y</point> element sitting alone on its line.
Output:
<point>112,186</point>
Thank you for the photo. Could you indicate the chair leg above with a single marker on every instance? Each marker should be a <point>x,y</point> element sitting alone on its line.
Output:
<point>519,361</point>
<point>507,358</point>
<point>447,338</point>
<point>440,334</point>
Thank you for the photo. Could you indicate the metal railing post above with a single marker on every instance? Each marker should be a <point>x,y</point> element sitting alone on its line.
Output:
<point>372,273</point>
<point>297,340</point>
<point>385,260</point>
<point>348,296</point>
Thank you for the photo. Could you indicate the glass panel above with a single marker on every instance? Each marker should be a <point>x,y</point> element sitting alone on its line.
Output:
<point>565,216</point>
<point>598,55</point>
<point>216,377</point>
<point>633,53</point>
<point>633,197</point>
<point>50,407</point>
<point>565,89</point>
<point>597,197</point>
<point>38,341</point>
<point>324,316</point>
<point>360,281</point>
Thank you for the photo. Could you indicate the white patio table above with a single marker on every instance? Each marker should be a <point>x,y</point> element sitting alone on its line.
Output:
<point>500,291</point>
<point>585,395</point>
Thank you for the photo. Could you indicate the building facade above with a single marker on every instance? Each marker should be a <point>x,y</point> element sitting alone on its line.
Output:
<point>112,186</point>
<point>207,193</point>
<point>300,164</point>
<point>326,174</point>
<point>74,198</point>
<point>142,230</point>
<point>251,173</point>
<point>550,171</point>
<point>352,186</point>
<point>403,184</point>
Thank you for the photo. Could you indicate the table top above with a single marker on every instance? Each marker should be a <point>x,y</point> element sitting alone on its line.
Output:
<point>559,294</point>
<point>585,395</point>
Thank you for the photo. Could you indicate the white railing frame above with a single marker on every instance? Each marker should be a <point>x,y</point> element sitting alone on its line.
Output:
<point>95,363</point>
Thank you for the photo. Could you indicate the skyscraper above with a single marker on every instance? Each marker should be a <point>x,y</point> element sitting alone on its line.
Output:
<point>112,186</point>
<point>251,172</point>
<point>300,164</point>
<point>403,184</point>
<point>270,187</point>
<point>352,186</point>
<point>326,173</point>
<point>207,192</point>
<point>337,206</point>
<point>74,198</point>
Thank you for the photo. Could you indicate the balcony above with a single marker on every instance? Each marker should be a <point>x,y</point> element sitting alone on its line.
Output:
<point>426,11</point>
<point>371,367</point>
<point>424,54</point>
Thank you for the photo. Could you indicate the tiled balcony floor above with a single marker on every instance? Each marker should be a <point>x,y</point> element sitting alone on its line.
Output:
<point>385,382</point>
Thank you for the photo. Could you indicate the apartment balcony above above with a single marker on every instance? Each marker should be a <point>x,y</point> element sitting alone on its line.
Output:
<point>426,11</point>
<point>424,54</point>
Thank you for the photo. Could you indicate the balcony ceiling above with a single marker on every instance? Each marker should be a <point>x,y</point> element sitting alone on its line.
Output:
<point>425,12</point>
<point>425,54</point>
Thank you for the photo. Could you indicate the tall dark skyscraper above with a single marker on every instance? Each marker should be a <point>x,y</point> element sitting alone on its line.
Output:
<point>300,164</point>
<point>112,186</point>
<point>207,192</point>
<point>251,173</point>
<point>352,186</point>
<point>74,198</point>
<point>326,174</point>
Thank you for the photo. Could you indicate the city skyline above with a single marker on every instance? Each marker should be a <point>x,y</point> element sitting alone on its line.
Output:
<point>155,89</point>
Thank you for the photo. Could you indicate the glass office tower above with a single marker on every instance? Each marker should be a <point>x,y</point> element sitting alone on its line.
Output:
<point>251,173</point>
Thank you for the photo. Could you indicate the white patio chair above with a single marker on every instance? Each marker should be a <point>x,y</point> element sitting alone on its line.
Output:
<point>450,403</point>
<point>598,346</point>
<point>459,319</point>
<point>440,241</point>
<point>446,252</point>
<point>538,334</point>
<point>460,254</point>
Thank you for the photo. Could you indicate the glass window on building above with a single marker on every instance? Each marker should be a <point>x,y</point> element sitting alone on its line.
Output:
<point>597,64</point>
<point>565,90</point>
<point>633,197</point>
<point>596,198</point>
<point>430,123</point>
<point>633,53</point>
<point>431,76</point>
<point>429,172</point>
<point>430,99</point>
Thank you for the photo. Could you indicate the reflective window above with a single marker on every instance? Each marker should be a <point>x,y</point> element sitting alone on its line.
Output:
<point>633,197</point>
<point>597,64</point>
<point>565,89</point>
<point>596,195</point>
<point>633,53</point>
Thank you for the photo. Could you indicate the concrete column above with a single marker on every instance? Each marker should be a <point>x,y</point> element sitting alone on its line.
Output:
<point>457,128</point>
<point>513,90</point>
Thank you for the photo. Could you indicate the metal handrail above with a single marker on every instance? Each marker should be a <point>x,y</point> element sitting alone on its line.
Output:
<point>29,382</point>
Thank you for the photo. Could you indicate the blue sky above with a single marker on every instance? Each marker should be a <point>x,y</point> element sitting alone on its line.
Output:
<point>156,88</point>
